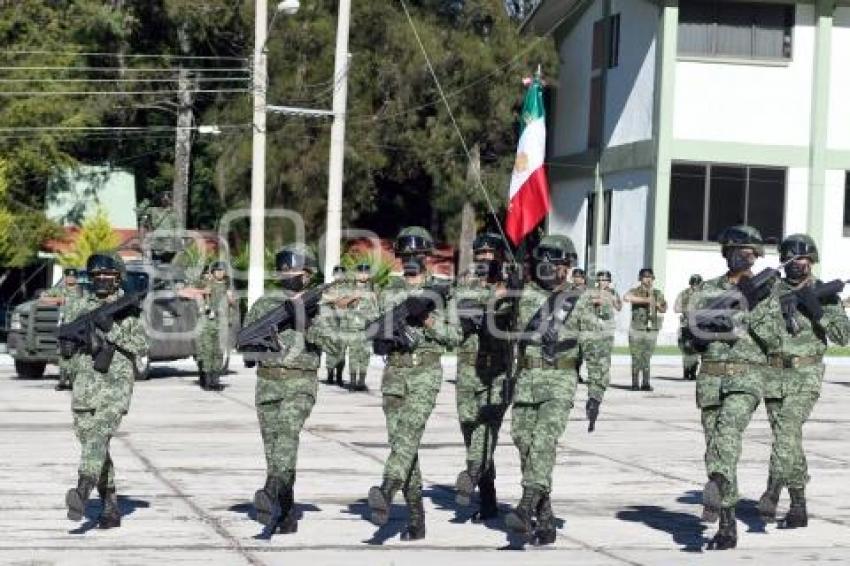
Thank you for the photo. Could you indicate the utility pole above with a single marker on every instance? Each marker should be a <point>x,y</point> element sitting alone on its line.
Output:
<point>183,135</point>
<point>337,152</point>
<point>256,269</point>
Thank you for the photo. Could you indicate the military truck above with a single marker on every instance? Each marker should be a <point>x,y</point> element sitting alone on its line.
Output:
<point>171,320</point>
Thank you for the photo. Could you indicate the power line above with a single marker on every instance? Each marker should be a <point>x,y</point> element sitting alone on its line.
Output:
<point>115,128</point>
<point>145,80</point>
<point>117,92</point>
<point>127,55</point>
<point>124,69</point>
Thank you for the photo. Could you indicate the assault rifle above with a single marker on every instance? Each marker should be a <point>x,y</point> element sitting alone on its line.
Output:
<point>392,332</point>
<point>262,334</point>
<point>549,319</point>
<point>809,301</point>
<point>86,333</point>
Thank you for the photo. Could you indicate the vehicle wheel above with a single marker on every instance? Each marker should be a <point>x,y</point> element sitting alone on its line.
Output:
<point>145,372</point>
<point>29,370</point>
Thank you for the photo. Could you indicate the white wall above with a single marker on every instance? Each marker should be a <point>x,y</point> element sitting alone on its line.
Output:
<point>631,84</point>
<point>749,103</point>
<point>573,95</point>
<point>568,215</point>
<point>797,200</point>
<point>839,110</point>
<point>835,249</point>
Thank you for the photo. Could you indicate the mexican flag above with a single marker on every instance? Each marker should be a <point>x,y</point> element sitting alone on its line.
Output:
<point>529,195</point>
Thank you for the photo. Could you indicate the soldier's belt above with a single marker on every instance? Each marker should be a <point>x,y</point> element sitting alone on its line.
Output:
<point>725,368</point>
<point>481,359</point>
<point>284,373</point>
<point>416,359</point>
<point>530,362</point>
<point>778,361</point>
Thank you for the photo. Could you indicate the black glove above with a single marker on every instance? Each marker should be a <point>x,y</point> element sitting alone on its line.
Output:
<point>809,303</point>
<point>753,295</point>
<point>591,408</point>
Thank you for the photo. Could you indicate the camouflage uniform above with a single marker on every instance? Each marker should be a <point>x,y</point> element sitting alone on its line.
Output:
<point>216,313</point>
<point>349,330</point>
<point>731,382</point>
<point>597,341</point>
<point>70,296</point>
<point>643,332</point>
<point>690,357</point>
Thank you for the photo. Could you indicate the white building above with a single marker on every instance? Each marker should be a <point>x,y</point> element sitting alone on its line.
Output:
<point>684,116</point>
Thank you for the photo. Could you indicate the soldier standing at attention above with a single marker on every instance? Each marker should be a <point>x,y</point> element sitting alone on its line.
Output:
<point>732,373</point>
<point>648,304</point>
<point>362,308</point>
<point>286,388</point>
<point>551,319</point>
<point>600,335</point>
<point>335,346</point>
<point>813,316</point>
<point>690,357</point>
<point>410,384</point>
<point>101,399</point>
<point>65,296</point>
<point>218,300</point>
<point>482,364</point>
<point>579,278</point>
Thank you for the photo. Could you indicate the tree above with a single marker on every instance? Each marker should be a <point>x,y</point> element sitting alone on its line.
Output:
<point>95,235</point>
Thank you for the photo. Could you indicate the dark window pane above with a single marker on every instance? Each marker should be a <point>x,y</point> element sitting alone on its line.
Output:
<point>594,123</point>
<point>606,237</point>
<point>726,198</point>
<point>591,218</point>
<point>769,40</point>
<point>614,41</point>
<point>687,202</point>
<point>735,30</point>
<point>696,28</point>
<point>598,55</point>
<point>766,206</point>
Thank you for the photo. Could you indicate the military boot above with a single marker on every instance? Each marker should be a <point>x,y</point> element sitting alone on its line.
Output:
<point>214,381</point>
<point>110,515</point>
<point>416,523</point>
<point>712,496</point>
<point>466,482</point>
<point>545,532</point>
<point>797,517</point>
<point>288,522</point>
<point>331,376</point>
<point>339,370</point>
<point>519,520</point>
<point>381,499</point>
<point>727,533</point>
<point>76,497</point>
<point>488,505</point>
<point>635,380</point>
<point>361,381</point>
<point>266,500</point>
<point>645,386</point>
<point>769,500</point>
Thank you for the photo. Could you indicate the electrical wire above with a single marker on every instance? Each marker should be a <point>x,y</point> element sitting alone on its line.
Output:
<point>117,92</point>
<point>123,69</point>
<point>125,55</point>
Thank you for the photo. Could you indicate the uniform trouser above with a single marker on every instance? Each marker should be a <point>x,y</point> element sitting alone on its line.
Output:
<point>787,412</point>
<point>67,368</point>
<point>358,358</point>
<point>724,445</point>
<point>537,425</point>
<point>283,406</point>
<point>480,410</point>
<point>210,353</point>
<point>641,346</point>
<point>409,396</point>
<point>599,364</point>
<point>94,429</point>
<point>690,358</point>
<point>335,355</point>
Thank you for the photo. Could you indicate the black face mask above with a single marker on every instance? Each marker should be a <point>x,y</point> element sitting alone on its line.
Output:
<point>413,266</point>
<point>738,262</point>
<point>796,272</point>
<point>292,282</point>
<point>546,274</point>
<point>103,286</point>
<point>489,269</point>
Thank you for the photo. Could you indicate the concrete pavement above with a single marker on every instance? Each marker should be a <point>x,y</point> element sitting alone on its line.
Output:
<point>188,463</point>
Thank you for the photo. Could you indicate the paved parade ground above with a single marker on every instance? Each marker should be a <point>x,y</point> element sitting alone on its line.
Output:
<point>188,463</point>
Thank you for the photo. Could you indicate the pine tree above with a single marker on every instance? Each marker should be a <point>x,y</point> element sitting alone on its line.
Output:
<point>95,235</point>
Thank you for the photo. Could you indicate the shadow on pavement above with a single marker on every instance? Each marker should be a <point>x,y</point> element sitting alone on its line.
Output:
<point>746,511</point>
<point>393,528</point>
<point>686,529</point>
<point>247,508</point>
<point>127,505</point>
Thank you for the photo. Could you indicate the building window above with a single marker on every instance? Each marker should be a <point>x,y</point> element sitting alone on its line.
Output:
<point>706,198</point>
<point>847,204</point>
<point>735,29</point>
<point>613,41</point>
<point>604,54</point>
<point>607,197</point>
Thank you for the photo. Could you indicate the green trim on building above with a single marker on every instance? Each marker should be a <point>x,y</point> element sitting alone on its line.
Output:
<point>838,159</point>
<point>740,153</point>
<point>819,118</point>
<point>659,199</point>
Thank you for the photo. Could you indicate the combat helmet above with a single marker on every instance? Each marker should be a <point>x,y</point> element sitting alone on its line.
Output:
<point>740,236</point>
<point>296,257</point>
<point>488,242</point>
<point>414,240</point>
<point>555,249</point>
<point>105,263</point>
<point>798,245</point>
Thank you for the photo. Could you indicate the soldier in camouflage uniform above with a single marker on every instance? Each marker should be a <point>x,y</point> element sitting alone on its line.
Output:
<point>100,400</point>
<point>354,307</point>
<point>286,389</point>
<point>410,385</point>
<point>606,303</point>
<point>483,359</point>
<point>335,347</point>
<point>218,300</point>
<point>732,372</point>
<point>160,220</point>
<point>552,320</point>
<point>648,303</point>
<point>690,357</point>
<point>793,386</point>
<point>65,296</point>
